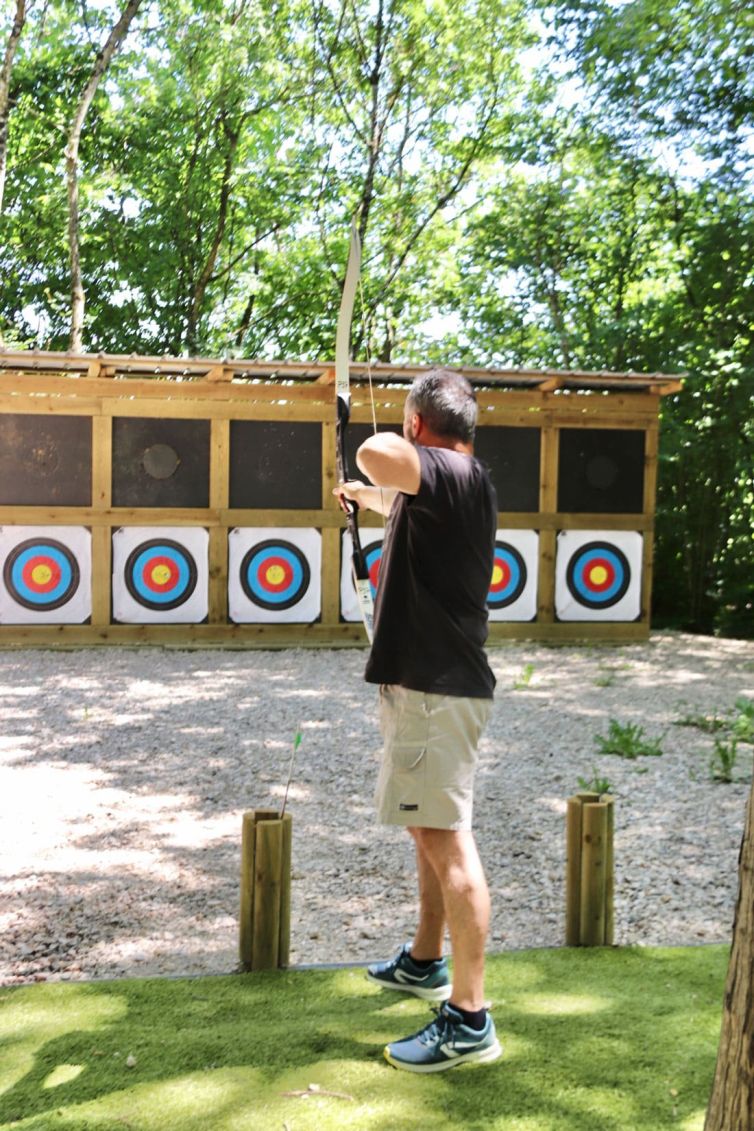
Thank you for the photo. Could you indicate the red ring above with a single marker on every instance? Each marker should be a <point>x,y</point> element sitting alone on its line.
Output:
<point>147,574</point>
<point>33,585</point>
<point>271,586</point>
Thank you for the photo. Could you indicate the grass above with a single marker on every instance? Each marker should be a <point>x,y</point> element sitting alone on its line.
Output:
<point>595,1040</point>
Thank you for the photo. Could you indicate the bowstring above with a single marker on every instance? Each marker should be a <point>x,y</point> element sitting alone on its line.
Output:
<point>367,349</point>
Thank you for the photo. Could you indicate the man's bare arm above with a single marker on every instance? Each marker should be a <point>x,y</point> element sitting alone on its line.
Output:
<point>390,462</point>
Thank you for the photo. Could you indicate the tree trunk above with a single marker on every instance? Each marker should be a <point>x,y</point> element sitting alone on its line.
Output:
<point>205,275</point>
<point>10,51</point>
<point>731,1106</point>
<point>101,63</point>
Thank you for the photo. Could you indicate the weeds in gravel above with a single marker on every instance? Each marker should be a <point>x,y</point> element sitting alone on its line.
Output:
<point>707,723</point>
<point>723,760</point>
<point>524,678</point>
<point>739,727</point>
<point>743,724</point>
<point>627,741</point>
<point>608,673</point>
<point>595,784</point>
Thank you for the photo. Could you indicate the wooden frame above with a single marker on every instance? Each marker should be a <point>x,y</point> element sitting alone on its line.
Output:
<point>108,386</point>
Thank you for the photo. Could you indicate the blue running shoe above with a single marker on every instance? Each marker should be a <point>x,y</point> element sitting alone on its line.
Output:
<point>401,973</point>
<point>444,1043</point>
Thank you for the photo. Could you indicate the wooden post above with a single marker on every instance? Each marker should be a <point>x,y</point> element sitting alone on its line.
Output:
<point>573,865</point>
<point>593,850</point>
<point>609,873</point>
<point>265,916</point>
<point>589,871</point>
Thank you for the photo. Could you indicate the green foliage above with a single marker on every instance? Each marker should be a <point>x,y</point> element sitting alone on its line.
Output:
<point>743,724</point>
<point>627,741</point>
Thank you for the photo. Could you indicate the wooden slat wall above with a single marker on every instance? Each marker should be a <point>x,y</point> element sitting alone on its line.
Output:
<point>220,401</point>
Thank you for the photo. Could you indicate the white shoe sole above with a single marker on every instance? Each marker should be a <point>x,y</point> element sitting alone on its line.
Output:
<point>483,1056</point>
<point>435,993</point>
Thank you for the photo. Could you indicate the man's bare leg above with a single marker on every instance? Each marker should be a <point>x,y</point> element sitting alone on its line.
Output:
<point>462,885</point>
<point>430,932</point>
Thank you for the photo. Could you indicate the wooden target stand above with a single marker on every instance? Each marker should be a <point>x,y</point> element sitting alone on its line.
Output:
<point>66,420</point>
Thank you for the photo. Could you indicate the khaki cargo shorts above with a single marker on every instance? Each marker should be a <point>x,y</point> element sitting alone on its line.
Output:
<point>426,777</point>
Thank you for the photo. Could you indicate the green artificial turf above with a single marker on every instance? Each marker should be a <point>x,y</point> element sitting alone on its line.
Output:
<point>594,1040</point>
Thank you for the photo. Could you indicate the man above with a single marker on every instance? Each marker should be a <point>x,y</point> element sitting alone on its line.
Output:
<point>436,692</point>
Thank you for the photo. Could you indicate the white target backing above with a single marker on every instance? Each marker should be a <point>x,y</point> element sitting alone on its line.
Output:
<point>598,575</point>
<point>274,575</point>
<point>160,575</point>
<point>45,574</point>
<point>371,543</point>
<point>513,588</point>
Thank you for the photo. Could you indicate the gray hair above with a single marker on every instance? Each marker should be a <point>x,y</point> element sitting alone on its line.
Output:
<point>446,401</point>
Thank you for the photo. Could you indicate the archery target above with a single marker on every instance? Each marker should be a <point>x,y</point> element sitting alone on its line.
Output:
<point>371,544</point>
<point>598,575</point>
<point>160,575</point>
<point>274,575</point>
<point>513,588</point>
<point>46,575</point>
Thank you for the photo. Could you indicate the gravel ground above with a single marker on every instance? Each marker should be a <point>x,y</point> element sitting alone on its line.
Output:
<point>124,774</point>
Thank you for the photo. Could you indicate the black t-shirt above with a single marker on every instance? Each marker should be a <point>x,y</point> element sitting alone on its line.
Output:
<point>430,620</point>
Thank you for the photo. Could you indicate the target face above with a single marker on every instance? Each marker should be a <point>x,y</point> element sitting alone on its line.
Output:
<point>598,575</point>
<point>41,574</point>
<point>371,544</point>
<point>46,574</point>
<point>509,576</point>
<point>160,575</point>
<point>513,589</point>
<point>274,574</point>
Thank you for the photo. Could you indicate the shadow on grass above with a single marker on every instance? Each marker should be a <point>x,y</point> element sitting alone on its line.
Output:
<point>594,1041</point>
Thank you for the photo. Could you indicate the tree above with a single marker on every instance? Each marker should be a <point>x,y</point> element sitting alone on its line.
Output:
<point>101,64</point>
<point>731,1106</point>
<point>5,72</point>
<point>419,97</point>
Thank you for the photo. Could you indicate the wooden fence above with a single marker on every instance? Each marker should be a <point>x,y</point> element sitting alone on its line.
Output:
<point>190,501</point>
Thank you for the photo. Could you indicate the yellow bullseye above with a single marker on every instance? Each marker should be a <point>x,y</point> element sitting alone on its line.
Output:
<point>598,575</point>
<point>41,574</point>
<point>497,574</point>
<point>161,575</point>
<point>275,575</point>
